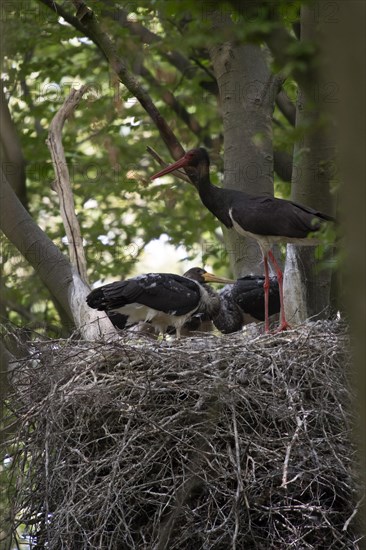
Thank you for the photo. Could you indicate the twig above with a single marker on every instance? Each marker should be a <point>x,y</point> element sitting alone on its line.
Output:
<point>239,487</point>
<point>88,19</point>
<point>300,422</point>
<point>346,524</point>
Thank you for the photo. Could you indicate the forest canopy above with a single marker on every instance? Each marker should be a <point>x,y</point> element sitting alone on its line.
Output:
<point>144,63</point>
<point>274,91</point>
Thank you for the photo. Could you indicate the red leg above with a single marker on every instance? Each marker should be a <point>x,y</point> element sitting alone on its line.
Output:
<point>283,323</point>
<point>266,293</point>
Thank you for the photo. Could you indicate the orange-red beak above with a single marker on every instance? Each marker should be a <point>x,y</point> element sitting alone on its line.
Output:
<point>175,166</point>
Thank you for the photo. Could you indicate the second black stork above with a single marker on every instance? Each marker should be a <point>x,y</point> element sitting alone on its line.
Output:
<point>162,299</point>
<point>243,303</point>
<point>267,219</point>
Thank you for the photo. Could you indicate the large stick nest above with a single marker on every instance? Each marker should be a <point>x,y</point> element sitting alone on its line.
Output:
<point>208,442</point>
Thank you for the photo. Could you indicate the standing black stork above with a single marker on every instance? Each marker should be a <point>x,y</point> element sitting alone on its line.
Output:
<point>162,299</point>
<point>243,303</point>
<point>266,219</point>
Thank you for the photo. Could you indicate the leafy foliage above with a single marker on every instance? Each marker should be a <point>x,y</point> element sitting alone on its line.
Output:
<point>165,45</point>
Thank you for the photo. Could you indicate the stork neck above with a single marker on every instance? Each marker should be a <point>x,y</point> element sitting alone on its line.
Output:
<point>210,300</point>
<point>213,197</point>
<point>206,189</point>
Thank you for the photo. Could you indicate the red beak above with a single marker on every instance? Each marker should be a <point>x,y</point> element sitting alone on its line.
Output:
<point>179,164</point>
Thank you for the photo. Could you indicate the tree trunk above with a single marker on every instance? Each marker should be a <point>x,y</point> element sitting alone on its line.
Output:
<point>307,287</point>
<point>11,155</point>
<point>246,89</point>
<point>50,264</point>
<point>346,50</point>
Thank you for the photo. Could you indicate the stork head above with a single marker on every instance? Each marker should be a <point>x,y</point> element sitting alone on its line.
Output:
<point>201,276</point>
<point>192,159</point>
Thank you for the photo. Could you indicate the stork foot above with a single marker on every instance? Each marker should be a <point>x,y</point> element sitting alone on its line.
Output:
<point>283,326</point>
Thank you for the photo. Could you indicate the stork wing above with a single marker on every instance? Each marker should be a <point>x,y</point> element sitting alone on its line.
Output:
<point>275,217</point>
<point>164,292</point>
<point>248,293</point>
<point>113,295</point>
<point>229,318</point>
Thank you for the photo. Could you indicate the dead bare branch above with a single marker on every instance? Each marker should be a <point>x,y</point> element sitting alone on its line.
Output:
<point>62,182</point>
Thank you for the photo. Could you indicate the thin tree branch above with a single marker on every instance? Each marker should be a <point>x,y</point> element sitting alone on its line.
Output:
<point>178,61</point>
<point>286,106</point>
<point>62,182</point>
<point>177,173</point>
<point>155,156</point>
<point>282,163</point>
<point>89,20</point>
<point>89,26</point>
<point>71,19</point>
<point>175,58</point>
<point>170,100</point>
<point>356,509</point>
<point>214,89</point>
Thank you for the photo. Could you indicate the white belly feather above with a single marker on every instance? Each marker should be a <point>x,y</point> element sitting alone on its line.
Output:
<point>267,241</point>
<point>137,312</point>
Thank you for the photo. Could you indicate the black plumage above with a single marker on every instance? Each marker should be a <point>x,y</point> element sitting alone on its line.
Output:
<point>162,299</point>
<point>243,302</point>
<point>267,219</point>
<point>117,319</point>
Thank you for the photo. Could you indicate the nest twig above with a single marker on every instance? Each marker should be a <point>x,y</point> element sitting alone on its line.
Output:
<point>213,443</point>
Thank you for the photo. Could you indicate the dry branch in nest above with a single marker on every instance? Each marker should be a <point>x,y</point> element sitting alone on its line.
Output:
<point>209,442</point>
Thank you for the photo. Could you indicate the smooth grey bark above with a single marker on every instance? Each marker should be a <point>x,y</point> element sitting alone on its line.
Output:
<point>283,165</point>
<point>11,155</point>
<point>50,264</point>
<point>247,92</point>
<point>286,107</point>
<point>307,286</point>
<point>346,46</point>
<point>53,268</point>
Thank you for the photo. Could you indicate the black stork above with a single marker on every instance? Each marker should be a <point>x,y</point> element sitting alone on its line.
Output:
<point>162,299</point>
<point>243,303</point>
<point>266,219</point>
